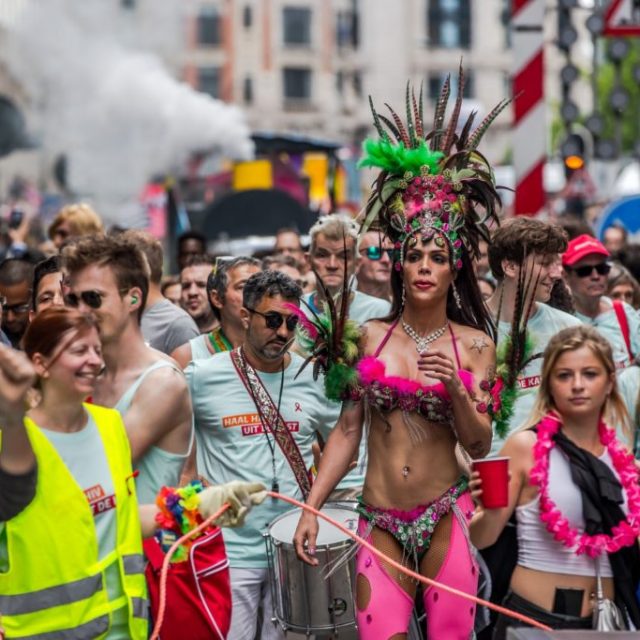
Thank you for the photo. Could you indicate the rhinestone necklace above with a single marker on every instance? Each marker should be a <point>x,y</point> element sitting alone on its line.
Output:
<point>422,342</point>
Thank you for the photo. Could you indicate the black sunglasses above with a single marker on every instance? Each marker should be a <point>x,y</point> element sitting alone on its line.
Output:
<point>92,299</point>
<point>274,320</point>
<point>602,269</point>
<point>374,252</point>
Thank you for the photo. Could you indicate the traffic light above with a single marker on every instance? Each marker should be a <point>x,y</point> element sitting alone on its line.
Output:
<point>573,154</point>
<point>574,159</point>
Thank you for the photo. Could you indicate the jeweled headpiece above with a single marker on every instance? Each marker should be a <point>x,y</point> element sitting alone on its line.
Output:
<point>432,183</point>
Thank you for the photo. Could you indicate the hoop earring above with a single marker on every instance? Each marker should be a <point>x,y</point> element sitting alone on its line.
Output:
<point>456,296</point>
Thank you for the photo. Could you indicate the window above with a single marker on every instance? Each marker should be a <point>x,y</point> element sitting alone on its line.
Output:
<point>247,90</point>
<point>436,80</point>
<point>357,84</point>
<point>449,23</point>
<point>209,26</point>
<point>297,84</point>
<point>347,29</point>
<point>296,26</point>
<point>247,16</point>
<point>209,81</point>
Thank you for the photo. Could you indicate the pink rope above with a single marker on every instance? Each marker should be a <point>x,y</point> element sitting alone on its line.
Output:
<point>162,596</point>
<point>412,574</point>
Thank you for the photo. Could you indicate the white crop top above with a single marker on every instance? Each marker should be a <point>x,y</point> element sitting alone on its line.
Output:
<point>537,548</point>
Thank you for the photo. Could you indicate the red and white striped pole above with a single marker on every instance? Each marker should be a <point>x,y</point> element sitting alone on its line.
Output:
<point>530,133</point>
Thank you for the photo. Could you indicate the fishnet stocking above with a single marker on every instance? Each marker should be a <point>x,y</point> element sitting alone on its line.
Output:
<point>385,542</point>
<point>434,559</point>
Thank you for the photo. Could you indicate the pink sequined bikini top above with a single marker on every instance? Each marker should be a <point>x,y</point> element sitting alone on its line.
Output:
<point>386,393</point>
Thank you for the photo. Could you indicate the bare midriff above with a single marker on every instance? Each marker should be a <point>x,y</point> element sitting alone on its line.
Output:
<point>539,587</point>
<point>402,474</point>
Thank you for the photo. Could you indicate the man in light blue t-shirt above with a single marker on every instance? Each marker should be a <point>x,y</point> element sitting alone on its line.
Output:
<point>586,263</point>
<point>235,435</point>
<point>531,248</point>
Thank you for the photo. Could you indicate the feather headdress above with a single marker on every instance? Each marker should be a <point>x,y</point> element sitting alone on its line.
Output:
<point>432,182</point>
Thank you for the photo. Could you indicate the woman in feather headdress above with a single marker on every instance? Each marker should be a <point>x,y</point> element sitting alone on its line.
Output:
<point>423,383</point>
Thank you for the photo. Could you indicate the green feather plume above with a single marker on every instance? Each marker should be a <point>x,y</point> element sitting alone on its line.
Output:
<point>337,380</point>
<point>397,159</point>
<point>337,360</point>
<point>509,392</point>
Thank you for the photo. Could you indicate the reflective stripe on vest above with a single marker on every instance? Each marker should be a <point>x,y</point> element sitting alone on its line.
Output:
<point>51,597</point>
<point>139,607</point>
<point>133,563</point>
<point>91,629</point>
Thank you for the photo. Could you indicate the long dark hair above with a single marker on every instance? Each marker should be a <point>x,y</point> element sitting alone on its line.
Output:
<point>474,312</point>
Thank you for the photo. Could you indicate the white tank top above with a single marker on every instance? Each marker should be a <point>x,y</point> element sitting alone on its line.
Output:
<point>537,548</point>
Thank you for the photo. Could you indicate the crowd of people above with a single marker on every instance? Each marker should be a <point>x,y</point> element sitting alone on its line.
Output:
<point>475,336</point>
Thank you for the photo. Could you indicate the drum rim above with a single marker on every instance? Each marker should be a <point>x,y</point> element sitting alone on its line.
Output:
<point>331,505</point>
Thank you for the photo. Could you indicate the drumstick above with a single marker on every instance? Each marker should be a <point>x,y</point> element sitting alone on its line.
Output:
<point>411,574</point>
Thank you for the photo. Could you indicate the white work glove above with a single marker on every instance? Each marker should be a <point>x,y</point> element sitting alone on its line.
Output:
<point>241,496</point>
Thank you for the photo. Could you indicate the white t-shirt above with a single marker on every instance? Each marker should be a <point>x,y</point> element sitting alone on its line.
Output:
<point>232,443</point>
<point>607,324</point>
<point>543,324</point>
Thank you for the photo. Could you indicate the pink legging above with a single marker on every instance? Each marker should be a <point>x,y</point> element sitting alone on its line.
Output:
<point>389,609</point>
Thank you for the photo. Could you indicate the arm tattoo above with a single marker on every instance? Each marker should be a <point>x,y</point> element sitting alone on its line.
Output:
<point>479,344</point>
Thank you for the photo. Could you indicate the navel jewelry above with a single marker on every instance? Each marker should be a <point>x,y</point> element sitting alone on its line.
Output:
<point>405,471</point>
<point>423,342</point>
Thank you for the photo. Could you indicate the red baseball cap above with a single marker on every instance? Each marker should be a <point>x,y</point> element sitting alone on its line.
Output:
<point>581,247</point>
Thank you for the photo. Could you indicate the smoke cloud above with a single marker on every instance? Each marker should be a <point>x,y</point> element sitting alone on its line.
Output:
<point>102,95</point>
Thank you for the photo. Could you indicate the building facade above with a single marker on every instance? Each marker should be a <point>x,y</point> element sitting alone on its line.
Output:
<point>307,66</point>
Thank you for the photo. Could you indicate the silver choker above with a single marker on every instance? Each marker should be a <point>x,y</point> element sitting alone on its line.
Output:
<point>423,342</point>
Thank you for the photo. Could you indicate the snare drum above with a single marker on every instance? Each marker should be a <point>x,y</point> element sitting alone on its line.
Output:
<point>304,600</point>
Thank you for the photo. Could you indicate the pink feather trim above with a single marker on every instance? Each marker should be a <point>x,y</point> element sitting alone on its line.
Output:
<point>307,325</point>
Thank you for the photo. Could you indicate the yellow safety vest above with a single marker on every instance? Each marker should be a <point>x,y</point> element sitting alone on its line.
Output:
<point>55,585</point>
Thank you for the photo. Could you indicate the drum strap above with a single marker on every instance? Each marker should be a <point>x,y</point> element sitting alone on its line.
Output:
<point>272,420</point>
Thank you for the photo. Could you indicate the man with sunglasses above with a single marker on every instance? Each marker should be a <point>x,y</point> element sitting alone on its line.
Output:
<point>16,276</point>
<point>333,250</point>
<point>109,278</point>
<point>254,408</point>
<point>587,264</point>
<point>373,270</point>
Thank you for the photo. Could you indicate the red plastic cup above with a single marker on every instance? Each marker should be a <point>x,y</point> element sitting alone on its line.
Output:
<point>494,473</point>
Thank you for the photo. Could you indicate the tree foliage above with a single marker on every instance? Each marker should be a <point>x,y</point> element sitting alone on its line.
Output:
<point>606,82</point>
